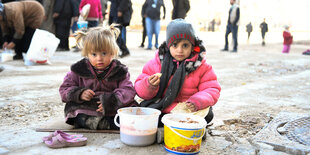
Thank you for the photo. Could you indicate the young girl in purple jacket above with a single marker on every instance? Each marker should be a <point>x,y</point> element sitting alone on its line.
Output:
<point>98,85</point>
<point>186,77</point>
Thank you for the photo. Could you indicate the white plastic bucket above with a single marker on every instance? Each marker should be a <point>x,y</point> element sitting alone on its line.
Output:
<point>183,133</point>
<point>82,24</point>
<point>138,125</point>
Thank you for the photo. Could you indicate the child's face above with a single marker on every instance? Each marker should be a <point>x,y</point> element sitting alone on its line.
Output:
<point>181,49</point>
<point>100,60</point>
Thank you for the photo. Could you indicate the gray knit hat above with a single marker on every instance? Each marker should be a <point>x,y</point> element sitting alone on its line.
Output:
<point>180,29</point>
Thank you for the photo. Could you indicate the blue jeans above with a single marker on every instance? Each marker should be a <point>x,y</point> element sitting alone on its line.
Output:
<point>152,26</point>
<point>124,31</point>
<point>234,30</point>
<point>74,27</point>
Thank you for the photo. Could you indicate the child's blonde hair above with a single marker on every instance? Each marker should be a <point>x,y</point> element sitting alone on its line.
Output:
<point>98,39</point>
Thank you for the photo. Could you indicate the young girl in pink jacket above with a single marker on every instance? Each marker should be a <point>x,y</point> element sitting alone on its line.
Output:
<point>186,77</point>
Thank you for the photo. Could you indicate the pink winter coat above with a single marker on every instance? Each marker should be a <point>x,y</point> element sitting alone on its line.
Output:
<point>200,87</point>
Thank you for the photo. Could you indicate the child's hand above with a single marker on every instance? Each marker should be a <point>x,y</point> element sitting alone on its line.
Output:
<point>87,95</point>
<point>100,107</point>
<point>191,106</point>
<point>154,80</point>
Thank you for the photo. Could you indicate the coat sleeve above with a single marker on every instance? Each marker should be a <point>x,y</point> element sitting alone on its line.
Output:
<point>125,93</point>
<point>75,8</point>
<point>19,26</point>
<point>70,90</point>
<point>122,96</point>
<point>143,11</point>
<point>208,90</point>
<point>237,16</point>
<point>123,6</point>
<point>58,6</point>
<point>186,5</point>
<point>142,86</point>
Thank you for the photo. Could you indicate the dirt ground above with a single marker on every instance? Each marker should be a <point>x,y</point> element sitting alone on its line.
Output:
<point>257,83</point>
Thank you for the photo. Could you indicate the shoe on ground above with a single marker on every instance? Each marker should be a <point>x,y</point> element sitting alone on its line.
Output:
<point>76,49</point>
<point>149,49</point>
<point>1,68</point>
<point>142,46</point>
<point>17,57</point>
<point>123,55</point>
<point>224,50</point>
<point>234,51</point>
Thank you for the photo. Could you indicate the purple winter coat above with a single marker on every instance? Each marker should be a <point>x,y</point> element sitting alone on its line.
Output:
<point>114,89</point>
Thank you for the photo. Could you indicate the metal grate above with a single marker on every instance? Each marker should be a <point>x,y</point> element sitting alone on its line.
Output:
<point>299,130</point>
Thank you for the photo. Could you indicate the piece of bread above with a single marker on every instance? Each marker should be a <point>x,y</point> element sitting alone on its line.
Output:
<point>182,108</point>
<point>158,74</point>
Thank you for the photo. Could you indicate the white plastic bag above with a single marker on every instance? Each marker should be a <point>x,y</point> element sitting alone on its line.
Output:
<point>42,47</point>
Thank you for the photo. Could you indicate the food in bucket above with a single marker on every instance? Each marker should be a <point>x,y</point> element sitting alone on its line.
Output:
<point>138,126</point>
<point>183,133</point>
<point>158,74</point>
<point>188,120</point>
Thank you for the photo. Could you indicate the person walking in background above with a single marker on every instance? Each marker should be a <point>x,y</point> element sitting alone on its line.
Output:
<point>232,25</point>
<point>264,28</point>
<point>95,12</point>
<point>180,8</point>
<point>120,13</point>
<point>249,29</point>
<point>151,12</point>
<point>287,39</point>
<point>18,21</point>
<point>48,22</point>
<point>64,10</point>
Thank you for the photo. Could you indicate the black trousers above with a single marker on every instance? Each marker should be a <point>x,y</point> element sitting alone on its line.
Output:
<point>144,31</point>
<point>23,45</point>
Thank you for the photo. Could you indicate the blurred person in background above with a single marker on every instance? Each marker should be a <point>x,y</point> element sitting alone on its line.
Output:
<point>180,8</point>
<point>18,21</point>
<point>232,25</point>
<point>120,13</point>
<point>287,39</point>
<point>264,28</point>
<point>151,12</point>
<point>64,10</point>
<point>249,29</point>
<point>95,13</point>
<point>48,22</point>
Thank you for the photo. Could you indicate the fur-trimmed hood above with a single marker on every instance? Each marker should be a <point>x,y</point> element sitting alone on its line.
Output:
<point>116,70</point>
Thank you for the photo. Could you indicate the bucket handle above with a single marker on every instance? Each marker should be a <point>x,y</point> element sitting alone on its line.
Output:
<point>115,122</point>
<point>194,139</point>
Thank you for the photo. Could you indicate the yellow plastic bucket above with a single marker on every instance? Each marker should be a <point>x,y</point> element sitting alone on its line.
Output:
<point>183,133</point>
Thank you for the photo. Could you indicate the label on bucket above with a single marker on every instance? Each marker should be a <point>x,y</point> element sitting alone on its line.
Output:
<point>177,143</point>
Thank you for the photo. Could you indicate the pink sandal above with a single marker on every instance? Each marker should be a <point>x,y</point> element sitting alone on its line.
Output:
<point>63,134</point>
<point>59,141</point>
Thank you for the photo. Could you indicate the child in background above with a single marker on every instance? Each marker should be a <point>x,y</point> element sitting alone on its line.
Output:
<point>95,12</point>
<point>98,85</point>
<point>288,39</point>
<point>186,77</point>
